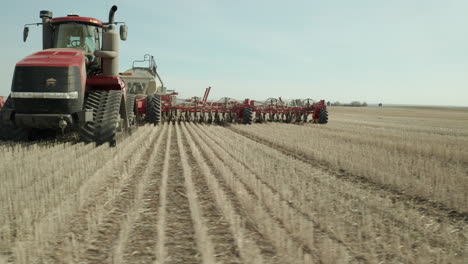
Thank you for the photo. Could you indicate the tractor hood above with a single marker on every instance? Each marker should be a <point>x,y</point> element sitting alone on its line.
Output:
<point>51,81</point>
<point>55,58</point>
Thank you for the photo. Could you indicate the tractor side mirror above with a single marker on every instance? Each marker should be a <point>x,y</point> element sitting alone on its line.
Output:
<point>25,33</point>
<point>123,32</point>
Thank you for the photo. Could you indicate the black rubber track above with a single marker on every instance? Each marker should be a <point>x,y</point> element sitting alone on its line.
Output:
<point>8,131</point>
<point>247,116</point>
<point>153,109</point>
<point>323,116</point>
<point>106,112</point>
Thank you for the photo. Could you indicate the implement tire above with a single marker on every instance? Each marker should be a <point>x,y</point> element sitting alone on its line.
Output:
<point>247,116</point>
<point>323,116</point>
<point>153,109</point>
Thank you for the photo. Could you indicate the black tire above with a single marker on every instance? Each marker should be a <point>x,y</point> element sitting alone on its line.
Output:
<point>323,116</point>
<point>153,109</point>
<point>131,111</point>
<point>247,116</point>
<point>104,128</point>
<point>8,130</point>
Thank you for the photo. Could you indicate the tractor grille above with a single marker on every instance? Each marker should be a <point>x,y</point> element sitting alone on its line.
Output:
<point>47,80</point>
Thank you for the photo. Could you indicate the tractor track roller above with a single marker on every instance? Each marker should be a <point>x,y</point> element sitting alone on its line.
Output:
<point>106,123</point>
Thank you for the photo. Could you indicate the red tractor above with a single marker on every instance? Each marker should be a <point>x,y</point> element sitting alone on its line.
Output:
<point>73,84</point>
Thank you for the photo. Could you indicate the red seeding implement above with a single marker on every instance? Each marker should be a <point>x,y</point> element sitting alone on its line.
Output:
<point>156,104</point>
<point>227,110</point>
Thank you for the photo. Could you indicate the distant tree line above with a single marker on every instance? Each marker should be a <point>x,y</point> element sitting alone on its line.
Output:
<point>353,104</point>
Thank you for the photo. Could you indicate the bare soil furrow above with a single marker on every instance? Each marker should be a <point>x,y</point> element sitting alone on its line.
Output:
<point>253,249</point>
<point>95,200</point>
<point>138,206</point>
<point>266,223</point>
<point>180,242</point>
<point>301,225</point>
<point>106,241</point>
<point>218,229</point>
<point>204,243</point>
<point>101,245</point>
<point>390,219</point>
<point>161,251</point>
<point>142,236</point>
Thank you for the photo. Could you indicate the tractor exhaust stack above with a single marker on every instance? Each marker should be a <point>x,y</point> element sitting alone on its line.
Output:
<point>46,16</point>
<point>112,13</point>
<point>110,47</point>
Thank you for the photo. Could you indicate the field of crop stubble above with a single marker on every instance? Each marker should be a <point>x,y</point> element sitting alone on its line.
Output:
<point>375,185</point>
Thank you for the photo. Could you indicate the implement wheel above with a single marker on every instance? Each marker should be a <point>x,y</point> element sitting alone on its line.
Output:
<point>153,109</point>
<point>247,116</point>
<point>323,116</point>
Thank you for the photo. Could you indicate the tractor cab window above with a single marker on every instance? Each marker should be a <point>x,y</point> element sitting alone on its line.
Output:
<point>77,36</point>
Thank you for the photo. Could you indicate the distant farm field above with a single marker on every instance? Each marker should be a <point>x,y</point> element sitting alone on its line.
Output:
<point>375,185</point>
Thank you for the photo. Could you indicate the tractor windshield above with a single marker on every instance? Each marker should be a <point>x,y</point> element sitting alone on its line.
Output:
<point>78,36</point>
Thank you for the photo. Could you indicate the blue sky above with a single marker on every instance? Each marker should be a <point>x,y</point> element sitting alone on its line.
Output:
<point>399,51</point>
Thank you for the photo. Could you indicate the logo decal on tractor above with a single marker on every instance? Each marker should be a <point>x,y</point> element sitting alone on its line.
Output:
<point>51,82</point>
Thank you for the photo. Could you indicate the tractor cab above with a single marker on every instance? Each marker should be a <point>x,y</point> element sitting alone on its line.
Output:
<point>77,36</point>
<point>76,32</point>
